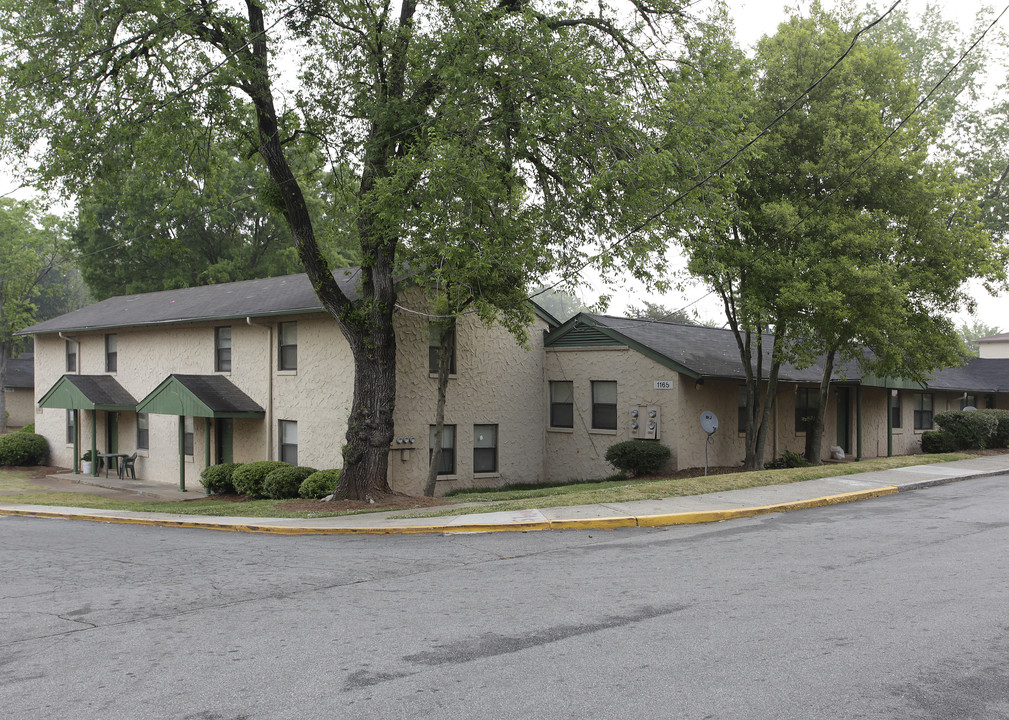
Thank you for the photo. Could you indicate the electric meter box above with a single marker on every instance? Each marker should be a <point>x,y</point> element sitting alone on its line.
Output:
<point>644,422</point>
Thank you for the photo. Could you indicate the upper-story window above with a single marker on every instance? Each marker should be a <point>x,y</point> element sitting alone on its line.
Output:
<point>71,356</point>
<point>111,353</point>
<point>222,348</point>
<point>287,340</point>
<point>434,349</point>
<point>604,405</point>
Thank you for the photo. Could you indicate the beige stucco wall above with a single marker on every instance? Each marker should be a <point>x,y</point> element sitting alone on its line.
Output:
<point>498,382</point>
<point>20,407</point>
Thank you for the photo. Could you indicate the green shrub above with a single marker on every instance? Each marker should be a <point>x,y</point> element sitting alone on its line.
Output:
<point>248,478</point>
<point>319,484</point>
<point>29,428</point>
<point>216,479</point>
<point>638,457</point>
<point>23,449</point>
<point>284,482</point>
<point>1000,438</point>
<point>86,457</point>
<point>937,441</point>
<point>972,429</point>
<point>788,459</point>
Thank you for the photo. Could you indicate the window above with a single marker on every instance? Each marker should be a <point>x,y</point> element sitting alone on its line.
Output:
<point>143,432</point>
<point>968,400</point>
<point>989,401</point>
<point>111,343</point>
<point>896,409</point>
<point>434,350</point>
<point>288,436</point>
<point>806,402</point>
<point>562,404</point>
<point>741,411</point>
<point>71,356</point>
<point>287,338</point>
<point>187,435</point>
<point>604,405</point>
<point>485,448</point>
<point>222,349</point>
<point>447,464</point>
<point>923,411</point>
<point>71,430</point>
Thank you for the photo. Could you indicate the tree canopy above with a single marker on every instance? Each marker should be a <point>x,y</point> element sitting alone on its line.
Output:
<point>502,139</point>
<point>842,235</point>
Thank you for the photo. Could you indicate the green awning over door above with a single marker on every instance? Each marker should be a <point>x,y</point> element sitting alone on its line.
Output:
<point>200,396</point>
<point>88,392</point>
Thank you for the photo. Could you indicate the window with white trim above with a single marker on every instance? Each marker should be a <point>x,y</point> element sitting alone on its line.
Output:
<point>287,343</point>
<point>604,405</point>
<point>447,464</point>
<point>562,404</point>
<point>111,352</point>
<point>288,439</point>
<point>485,448</point>
<point>222,348</point>
<point>143,431</point>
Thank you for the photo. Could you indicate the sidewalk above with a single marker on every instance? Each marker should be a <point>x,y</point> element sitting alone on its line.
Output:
<point>643,513</point>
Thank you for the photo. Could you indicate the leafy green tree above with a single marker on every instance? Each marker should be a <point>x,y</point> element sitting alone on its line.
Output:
<point>140,230</point>
<point>521,117</point>
<point>30,245</point>
<point>840,237</point>
<point>971,332</point>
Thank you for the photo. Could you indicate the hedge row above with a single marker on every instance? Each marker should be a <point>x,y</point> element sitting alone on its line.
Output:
<point>269,479</point>
<point>973,430</point>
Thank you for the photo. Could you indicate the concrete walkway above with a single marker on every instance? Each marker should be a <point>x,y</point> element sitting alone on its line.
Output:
<point>642,513</point>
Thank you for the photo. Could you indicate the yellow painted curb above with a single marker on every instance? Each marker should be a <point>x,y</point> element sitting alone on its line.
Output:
<point>706,516</point>
<point>607,523</point>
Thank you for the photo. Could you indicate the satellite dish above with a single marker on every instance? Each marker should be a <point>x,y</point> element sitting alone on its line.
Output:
<point>709,422</point>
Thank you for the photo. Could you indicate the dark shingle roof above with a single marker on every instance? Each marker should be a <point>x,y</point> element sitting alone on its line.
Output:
<point>20,373</point>
<point>266,296</point>
<point>102,390</point>
<point>218,393</point>
<point>712,352</point>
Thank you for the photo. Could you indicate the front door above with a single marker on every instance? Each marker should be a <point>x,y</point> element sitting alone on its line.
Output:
<point>112,432</point>
<point>225,442</point>
<point>843,397</point>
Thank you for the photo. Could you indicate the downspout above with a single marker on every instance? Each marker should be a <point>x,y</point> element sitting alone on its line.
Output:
<point>269,385</point>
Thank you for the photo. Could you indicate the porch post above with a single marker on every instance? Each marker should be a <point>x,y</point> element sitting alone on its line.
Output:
<point>858,412</point>
<point>206,442</point>
<point>889,422</point>
<point>77,440</point>
<point>94,442</point>
<point>182,453</point>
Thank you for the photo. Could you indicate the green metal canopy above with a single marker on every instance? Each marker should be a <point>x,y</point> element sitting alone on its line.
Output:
<point>200,396</point>
<point>88,392</point>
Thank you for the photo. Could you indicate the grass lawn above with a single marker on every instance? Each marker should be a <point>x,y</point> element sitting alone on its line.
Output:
<point>17,486</point>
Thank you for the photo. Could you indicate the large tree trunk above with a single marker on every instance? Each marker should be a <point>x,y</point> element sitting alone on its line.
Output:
<point>814,435</point>
<point>446,348</point>
<point>367,324</point>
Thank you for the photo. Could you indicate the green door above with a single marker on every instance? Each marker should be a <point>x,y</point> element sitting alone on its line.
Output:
<point>843,397</point>
<point>112,432</point>
<point>225,440</point>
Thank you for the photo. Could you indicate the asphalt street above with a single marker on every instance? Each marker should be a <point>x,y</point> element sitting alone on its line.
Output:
<point>894,607</point>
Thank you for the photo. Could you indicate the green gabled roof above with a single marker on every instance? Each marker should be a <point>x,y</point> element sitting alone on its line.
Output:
<point>88,392</point>
<point>200,396</point>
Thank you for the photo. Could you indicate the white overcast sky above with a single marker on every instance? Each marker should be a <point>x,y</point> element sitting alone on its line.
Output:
<point>754,18</point>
